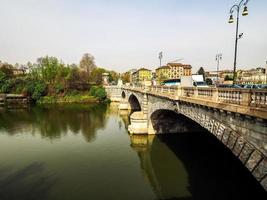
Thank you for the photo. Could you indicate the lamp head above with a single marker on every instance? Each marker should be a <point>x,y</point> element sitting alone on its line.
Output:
<point>245,11</point>
<point>231,19</point>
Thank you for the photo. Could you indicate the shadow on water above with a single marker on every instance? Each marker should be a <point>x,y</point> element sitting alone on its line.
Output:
<point>213,171</point>
<point>54,121</point>
<point>194,165</point>
<point>25,184</point>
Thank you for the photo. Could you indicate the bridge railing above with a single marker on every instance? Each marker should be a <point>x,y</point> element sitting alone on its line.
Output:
<point>259,98</point>
<point>237,96</point>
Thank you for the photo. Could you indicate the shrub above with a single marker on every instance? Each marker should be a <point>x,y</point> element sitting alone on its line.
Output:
<point>72,92</point>
<point>6,86</point>
<point>35,88</point>
<point>101,94</point>
<point>59,88</point>
<point>39,90</point>
<point>93,90</point>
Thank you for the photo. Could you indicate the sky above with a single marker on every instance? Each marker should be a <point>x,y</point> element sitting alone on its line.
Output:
<point>124,34</point>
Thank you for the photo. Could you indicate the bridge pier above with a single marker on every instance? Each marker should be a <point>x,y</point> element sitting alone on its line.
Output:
<point>138,123</point>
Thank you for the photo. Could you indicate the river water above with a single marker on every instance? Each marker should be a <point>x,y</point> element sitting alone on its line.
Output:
<point>81,152</point>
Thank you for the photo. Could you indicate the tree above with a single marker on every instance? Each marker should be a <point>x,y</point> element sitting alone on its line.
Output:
<point>228,78</point>
<point>209,81</point>
<point>87,63</point>
<point>96,75</point>
<point>7,69</point>
<point>113,77</point>
<point>126,77</point>
<point>49,68</point>
<point>201,71</point>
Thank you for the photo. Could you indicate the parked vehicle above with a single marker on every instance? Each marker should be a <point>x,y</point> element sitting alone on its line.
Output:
<point>252,86</point>
<point>194,80</point>
<point>229,86</point>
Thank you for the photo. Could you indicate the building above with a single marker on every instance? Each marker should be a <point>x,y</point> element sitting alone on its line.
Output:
<point>173,71</point>
<point>252,76</point>
<point>163,73</point>
<point>131,72</point>
<point>141,75</point>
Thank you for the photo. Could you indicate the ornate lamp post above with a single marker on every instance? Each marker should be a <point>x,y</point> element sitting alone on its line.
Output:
<point>237,8</point>
<point>218,59</point>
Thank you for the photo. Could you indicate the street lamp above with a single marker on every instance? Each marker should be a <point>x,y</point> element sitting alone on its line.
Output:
<point>218,58</point>
<point>160,57</point>
<point>237,8</point>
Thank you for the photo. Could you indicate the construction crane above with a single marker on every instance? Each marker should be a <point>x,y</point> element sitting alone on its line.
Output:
<point>177,60</point>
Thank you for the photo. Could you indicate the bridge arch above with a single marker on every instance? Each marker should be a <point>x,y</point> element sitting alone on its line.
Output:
<point>246,152</point>
<point>134,103</point>
<point>170,121</point>
<point>123,95</point>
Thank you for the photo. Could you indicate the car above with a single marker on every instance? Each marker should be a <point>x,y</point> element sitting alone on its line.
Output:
<point>252,86</point>
<point>229,86</point>
<point>200,84</point>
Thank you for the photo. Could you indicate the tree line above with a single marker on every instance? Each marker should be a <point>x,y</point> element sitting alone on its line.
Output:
<point>50,76</point>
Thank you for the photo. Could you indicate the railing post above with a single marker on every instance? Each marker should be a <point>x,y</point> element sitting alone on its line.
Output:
<point>179,91</point>
<point>195,92</point>
<point>245,97</point>
<point>215,94</point>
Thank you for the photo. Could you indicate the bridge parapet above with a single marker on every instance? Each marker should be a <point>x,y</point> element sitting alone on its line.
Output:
<point>251,102</point>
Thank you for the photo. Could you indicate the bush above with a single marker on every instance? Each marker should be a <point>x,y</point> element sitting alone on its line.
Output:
<point>72,92</point>
<point>98,92</point>
<point>35,88</point>
<point>6,86</point>
<point>101,94</point>
<point>93,90</point>
<point>59,88</point>
<point>39,90</point>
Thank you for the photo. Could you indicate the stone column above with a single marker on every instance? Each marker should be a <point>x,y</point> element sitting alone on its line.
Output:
<point>246,97</point>
<point>215,94</point>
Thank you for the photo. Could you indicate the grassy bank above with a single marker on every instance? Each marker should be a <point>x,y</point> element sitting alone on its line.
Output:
<point>79,98</point>
<point>95,95</point>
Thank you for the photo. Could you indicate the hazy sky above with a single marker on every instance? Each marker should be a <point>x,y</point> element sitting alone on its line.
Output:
<point>123,34</point>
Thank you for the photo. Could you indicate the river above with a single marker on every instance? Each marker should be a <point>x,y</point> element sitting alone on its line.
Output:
<point>81,152</point>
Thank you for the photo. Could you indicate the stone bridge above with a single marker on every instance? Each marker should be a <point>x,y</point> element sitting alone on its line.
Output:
<point>237,117</point>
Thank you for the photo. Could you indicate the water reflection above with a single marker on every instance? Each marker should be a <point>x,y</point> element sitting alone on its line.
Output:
<point>161,168</point>
<point>28,183</point>
<point>55,121</point>
<point>193,166</point>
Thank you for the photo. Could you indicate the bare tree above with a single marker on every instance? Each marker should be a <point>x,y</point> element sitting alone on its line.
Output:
<point>87,63</point>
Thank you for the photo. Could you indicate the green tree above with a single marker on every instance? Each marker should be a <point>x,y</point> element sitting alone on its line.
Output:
<point>96,75</point>
<point>201,71</point>
<point>7,69</point>
<point>208,81</point>
<point>228,78</point>
<point>49,68</point>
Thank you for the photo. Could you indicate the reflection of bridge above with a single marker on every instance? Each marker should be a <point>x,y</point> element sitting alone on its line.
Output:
<point>237,117</point>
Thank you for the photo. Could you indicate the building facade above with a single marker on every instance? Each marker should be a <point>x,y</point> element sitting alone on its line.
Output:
<point>141,75</point>
<point>173,71</point>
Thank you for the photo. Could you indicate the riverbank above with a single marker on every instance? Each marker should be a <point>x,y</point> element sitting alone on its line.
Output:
<point>79,98</point>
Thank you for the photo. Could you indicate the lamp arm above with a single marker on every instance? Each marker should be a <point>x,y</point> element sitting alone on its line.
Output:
<point>233,8</point>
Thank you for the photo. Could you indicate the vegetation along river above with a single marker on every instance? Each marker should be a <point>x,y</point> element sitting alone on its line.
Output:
<point>81,152</point>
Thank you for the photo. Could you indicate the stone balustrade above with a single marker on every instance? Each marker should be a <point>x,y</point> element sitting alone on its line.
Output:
<point>246,97</point>
<point>244,101</point>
